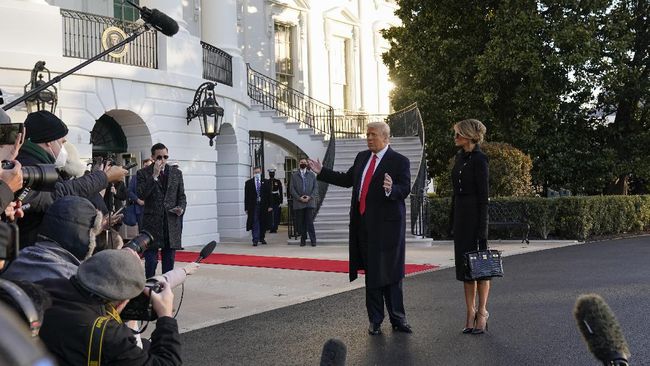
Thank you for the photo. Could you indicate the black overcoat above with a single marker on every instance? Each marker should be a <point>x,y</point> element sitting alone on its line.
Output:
<point>158,200</point>
<point>250,198</point>
<point>385,216</point>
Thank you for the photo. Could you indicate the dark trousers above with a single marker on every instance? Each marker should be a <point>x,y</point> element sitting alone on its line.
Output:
<point>259,230</point>
<point>390,294</point>
<point>305,224</point>
<point>275,217</point>
<point>151,260</point>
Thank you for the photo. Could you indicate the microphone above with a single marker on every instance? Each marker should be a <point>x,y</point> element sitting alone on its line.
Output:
<point>206,251</point>
<point>334,352</point>
<point>601,330</point>
<point>157,19</point>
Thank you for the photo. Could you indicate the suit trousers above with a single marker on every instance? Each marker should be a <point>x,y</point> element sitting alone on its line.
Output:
<point>151,260</point>
<point>391,294</point>
<point>259,231</point>
<point>305,224</point>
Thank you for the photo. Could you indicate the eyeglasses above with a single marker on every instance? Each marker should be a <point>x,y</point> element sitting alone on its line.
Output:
<point>160,157</point>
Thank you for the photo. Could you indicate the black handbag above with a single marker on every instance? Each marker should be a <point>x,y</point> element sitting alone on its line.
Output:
<point>483,264</point>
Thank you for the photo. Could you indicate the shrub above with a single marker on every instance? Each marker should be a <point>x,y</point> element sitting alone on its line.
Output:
<point>579,217</point>
<point>509,172</point>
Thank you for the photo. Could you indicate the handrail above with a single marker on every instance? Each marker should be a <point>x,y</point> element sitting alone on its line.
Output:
<point>289,102</point>
<point>408,122</point>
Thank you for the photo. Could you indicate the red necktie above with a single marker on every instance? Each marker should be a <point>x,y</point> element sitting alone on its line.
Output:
<point>366,183</point>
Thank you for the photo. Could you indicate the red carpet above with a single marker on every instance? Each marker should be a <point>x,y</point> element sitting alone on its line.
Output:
<point>299,264</point>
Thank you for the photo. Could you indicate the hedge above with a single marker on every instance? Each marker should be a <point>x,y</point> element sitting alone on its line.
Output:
<point>579,217</point>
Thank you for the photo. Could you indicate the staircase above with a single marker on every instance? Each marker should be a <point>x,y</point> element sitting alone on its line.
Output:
<point>331,223</point>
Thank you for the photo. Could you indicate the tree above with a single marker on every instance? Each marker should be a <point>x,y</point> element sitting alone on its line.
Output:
<point>539,74</point>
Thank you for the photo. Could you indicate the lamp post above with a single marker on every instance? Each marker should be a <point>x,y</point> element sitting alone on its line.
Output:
<point>206,108</point>
<point>45,98</point>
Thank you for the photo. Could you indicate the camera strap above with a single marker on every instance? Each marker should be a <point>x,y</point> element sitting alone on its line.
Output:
<point>97,335</point>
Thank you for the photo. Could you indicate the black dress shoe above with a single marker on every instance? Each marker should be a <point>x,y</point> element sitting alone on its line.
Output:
<point>313,243</point>
<point>374,329</point>
<point>302,244</point>
<point>402,327</point>
<point>254,243</point>
<point>263,241</point>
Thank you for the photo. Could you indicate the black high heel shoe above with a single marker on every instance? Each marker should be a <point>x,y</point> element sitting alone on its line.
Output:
<point>484,330</point>
<point>470,330</point>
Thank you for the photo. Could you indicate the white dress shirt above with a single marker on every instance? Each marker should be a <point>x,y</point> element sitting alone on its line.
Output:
<point>380,155</point>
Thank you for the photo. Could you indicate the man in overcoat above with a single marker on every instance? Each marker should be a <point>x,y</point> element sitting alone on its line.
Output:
<point>303,191</point>
<point>380,180</point>
<point>257,205</point>
<point>161,188</point>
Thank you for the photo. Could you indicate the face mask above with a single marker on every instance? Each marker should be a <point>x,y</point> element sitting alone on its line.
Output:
<point>272,175</point>
<point>257,175</point>
<point>62,157</point>
<point>303,166</point>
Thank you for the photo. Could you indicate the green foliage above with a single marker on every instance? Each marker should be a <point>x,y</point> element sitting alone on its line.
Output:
<point>542,76</point>
<point>509,172</point>
<point>578,217</point>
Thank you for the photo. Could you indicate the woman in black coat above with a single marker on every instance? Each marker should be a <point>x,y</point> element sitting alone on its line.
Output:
<point>469,216</point>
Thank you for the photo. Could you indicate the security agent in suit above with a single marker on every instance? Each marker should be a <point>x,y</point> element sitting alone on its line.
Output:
<point>276,201</point>
<point>303,191</point>
<point>161,188</point>
<point>381,180</point>
<point>257,205</point>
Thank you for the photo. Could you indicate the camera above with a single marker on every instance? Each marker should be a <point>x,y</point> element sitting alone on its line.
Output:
<point>141,242</point>
<point>39,177</point>
<point>140,307</point>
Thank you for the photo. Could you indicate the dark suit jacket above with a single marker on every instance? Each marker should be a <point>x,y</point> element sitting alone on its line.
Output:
<point>385,216</point>
<point>250,199</point>
<point>158,200</point>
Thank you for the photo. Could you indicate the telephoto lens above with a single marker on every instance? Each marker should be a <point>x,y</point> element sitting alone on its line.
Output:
<point>39,177</point>
<point>140,243</point>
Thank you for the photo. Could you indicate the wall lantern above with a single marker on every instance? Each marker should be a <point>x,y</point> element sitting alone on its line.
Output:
<point>46,98</point>
<point>206,108</point>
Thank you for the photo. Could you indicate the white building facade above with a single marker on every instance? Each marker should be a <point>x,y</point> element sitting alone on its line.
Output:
<point>326,50</point>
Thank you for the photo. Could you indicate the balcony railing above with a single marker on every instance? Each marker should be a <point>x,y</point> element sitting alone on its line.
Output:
<point>217,64</point>
<point>82,38</point>
<point>353,125</point>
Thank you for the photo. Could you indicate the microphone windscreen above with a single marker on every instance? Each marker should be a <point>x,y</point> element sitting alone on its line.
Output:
<point>160,21</point>
<point>334,353</point>
<point>207,249</point>
<point>600,329</point>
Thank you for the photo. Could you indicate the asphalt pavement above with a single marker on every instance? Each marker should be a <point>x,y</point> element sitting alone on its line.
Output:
<point>531,320</point>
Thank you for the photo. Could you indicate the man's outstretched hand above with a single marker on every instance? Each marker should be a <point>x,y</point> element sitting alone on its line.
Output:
<point>315,165</point>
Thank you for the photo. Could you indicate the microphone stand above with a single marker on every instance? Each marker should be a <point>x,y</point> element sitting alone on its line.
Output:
<point>138,32</point>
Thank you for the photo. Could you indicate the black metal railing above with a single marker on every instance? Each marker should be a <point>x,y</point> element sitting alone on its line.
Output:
<point>403,123</point>
<point>82,38</point>
<point>217,64</point>
<point>288,102</point>
<point>353,125</point>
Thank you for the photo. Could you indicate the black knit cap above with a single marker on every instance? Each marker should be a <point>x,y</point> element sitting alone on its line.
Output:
<point>43,126</point>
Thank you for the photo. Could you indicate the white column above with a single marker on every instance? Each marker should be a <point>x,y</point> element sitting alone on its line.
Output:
<point>219,25</point>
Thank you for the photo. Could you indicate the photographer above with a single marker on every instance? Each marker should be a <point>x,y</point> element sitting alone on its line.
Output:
<point>46,134</point>
<point>93,299</point>
<point>66,237</point>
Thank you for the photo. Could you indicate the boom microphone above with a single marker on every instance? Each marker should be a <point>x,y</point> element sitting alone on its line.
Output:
<point>601,330</point>
<point>334,352</point>
<point>157,19</point>
<point>206,251</point>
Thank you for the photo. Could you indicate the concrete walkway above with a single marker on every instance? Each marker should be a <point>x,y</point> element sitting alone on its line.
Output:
<point>219,293</point>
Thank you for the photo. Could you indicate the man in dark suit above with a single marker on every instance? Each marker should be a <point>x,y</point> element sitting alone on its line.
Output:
<point>161,188</point>
<point>257,204</point>
<point>381,180</point>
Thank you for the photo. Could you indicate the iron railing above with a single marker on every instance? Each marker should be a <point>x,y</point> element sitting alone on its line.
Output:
<point>288,102</point>
<point>82,38</point>
<point>353,125</point>
<point>217,64</point>
<point>408,122</point>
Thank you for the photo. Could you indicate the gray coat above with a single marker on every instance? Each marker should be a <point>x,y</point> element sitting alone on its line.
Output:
<point>311,189</point>
<point>158,200</point>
